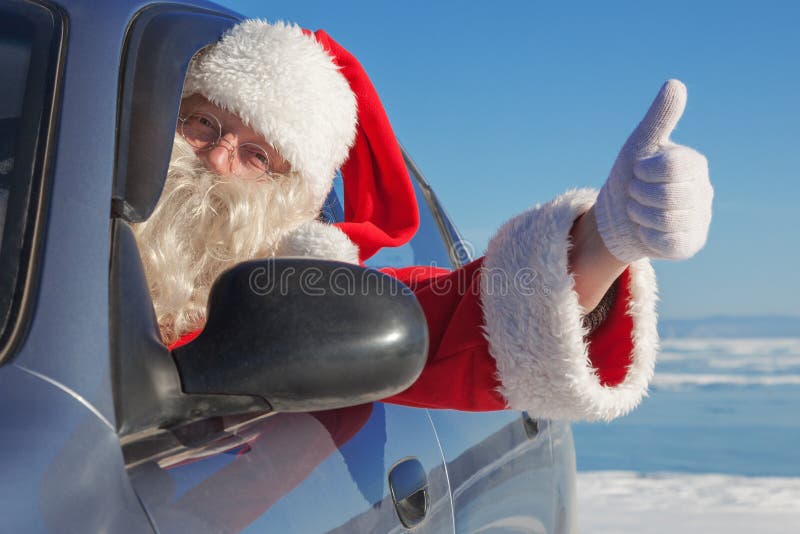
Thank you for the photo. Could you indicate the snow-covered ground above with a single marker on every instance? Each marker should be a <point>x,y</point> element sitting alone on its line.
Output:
<point>629,502</point>
<point>715,449</point>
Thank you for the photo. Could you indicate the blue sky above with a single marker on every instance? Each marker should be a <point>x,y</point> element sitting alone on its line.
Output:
<point>509,104</point>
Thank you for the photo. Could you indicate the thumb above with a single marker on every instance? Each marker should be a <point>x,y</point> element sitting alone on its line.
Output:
<point>661,118</point>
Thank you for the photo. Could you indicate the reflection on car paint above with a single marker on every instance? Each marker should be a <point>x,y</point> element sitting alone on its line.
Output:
<point>337,460</point>
<point>504,479</point>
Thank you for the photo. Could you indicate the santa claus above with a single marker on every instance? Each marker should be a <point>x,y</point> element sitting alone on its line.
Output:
<point>271,111</point>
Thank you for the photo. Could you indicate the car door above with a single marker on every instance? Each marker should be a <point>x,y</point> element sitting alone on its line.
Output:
<point>369,468</point>
<point>508,471</point>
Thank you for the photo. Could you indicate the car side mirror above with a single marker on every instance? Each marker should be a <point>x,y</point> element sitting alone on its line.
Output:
<point>306,335</point>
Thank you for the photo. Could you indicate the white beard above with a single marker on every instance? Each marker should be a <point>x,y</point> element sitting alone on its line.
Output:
<point>205,223</point>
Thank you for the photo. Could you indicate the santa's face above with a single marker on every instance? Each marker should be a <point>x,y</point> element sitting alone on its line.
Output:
<point>209,218</point>
<point>225,144</point>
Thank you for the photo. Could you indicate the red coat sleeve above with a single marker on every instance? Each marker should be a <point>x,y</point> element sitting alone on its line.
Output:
<point>461,373</point>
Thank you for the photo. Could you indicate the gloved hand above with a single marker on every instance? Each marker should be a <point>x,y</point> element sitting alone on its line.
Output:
<point>657,200</point>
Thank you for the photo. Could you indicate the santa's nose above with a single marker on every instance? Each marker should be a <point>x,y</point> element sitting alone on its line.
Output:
<point>222,158</point>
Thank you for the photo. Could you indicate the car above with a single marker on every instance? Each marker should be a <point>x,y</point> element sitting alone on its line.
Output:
<point>105,430</point>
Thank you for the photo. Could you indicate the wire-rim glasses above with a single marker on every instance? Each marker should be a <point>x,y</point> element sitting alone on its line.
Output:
<point>203,131</point>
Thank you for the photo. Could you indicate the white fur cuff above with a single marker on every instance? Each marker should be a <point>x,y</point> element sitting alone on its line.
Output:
<point>533,320</point>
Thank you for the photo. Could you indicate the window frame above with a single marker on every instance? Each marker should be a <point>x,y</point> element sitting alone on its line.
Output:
<point>460,254</point>
<point>151,82</point>
<point>159,43</point>
<point>20,257</point>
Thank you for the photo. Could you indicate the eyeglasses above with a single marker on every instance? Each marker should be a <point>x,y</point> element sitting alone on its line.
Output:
<point>203,131</point>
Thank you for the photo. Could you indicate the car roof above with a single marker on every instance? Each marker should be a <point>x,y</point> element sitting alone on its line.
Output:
<point>78,6</point>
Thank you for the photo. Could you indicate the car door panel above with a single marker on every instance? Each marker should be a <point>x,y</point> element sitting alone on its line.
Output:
<point>62,467</point>
<point>302,472</point>
<point>500,467</point>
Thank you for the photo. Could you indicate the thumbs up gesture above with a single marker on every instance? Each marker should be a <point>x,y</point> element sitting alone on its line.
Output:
<point>657,200</point>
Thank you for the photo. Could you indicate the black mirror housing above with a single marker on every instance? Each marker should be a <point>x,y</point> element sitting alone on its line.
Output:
<point>306,335</point>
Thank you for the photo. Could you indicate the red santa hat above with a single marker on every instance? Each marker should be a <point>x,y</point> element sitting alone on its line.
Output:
<point>311,99</point>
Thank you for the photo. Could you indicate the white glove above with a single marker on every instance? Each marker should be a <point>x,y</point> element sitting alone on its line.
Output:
<point>657,200</point>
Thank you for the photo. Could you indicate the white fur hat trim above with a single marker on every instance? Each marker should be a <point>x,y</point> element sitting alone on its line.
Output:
<point>285,86</point>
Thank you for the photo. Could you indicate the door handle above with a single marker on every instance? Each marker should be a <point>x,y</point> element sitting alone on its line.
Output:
<point>408,484</point>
